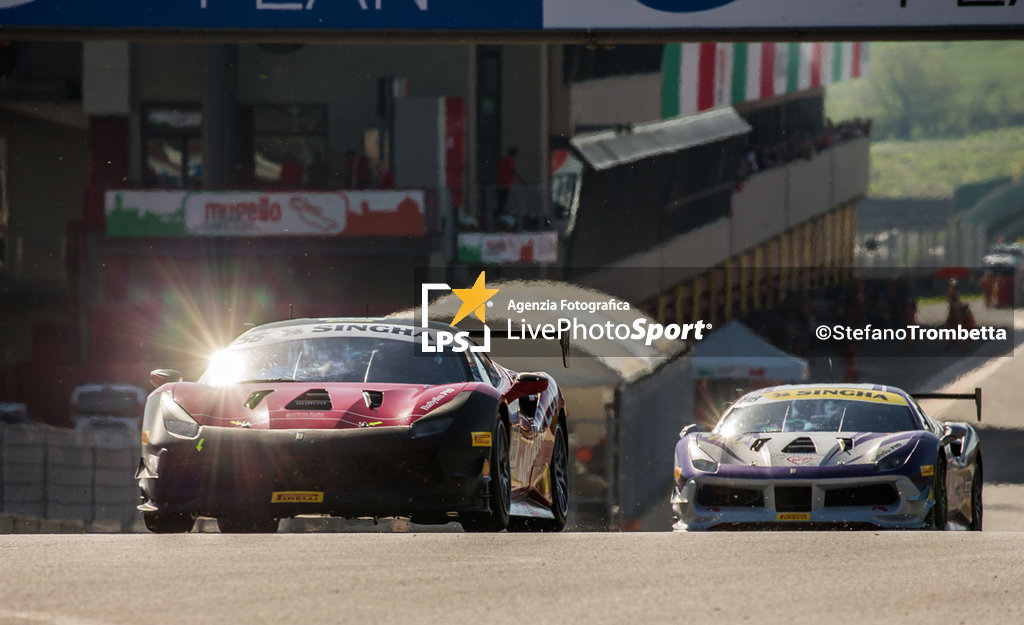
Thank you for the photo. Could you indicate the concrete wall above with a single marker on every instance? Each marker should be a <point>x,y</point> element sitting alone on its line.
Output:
<point>523,102</point>
<point>559,93</point>
<point>808,186</point>
<point>851,169</point>
<point>419,142</point>
<point>773,201</point>
<point>106,78</point>
<point>758,209</point>
<point>168,73</point>
<point>51,475</point>
<point>621,100</point>
<point>769,203</point>
<point>345,79</point>
<point>47,165</point>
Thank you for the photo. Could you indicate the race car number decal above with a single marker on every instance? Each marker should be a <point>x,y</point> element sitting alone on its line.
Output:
<point>481,439</point>
<point>794,516</point>
<point>296,496</point>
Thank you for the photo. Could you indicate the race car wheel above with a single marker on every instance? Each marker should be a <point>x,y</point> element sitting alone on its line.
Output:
<point>500,488</point>
<point>976,503</point>
<point>254,523</point>
<point>559,473</point>
<point>560,479</point>
<point>168,522</point>
<point>936,519</point>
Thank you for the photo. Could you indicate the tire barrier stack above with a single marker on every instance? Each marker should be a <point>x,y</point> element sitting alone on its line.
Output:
<point>58,479</point>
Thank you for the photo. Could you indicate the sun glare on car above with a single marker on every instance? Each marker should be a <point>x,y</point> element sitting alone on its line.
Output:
<point>225,367</point>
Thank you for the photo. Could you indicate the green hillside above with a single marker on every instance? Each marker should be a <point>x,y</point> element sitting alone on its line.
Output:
<point>944,114</point>
<point>933,168</point>
<point>935,88</point>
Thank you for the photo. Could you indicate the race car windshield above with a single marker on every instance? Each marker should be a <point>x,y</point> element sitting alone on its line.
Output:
<point>817,415</point>
<point>335,359</point>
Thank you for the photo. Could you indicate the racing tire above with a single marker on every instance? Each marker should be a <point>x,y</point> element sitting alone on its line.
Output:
<point>977,506</point>
<point>497,518</point>
<point>559,475</point>
<point>248,524</point>
<point>168,522</point>
<point>937,516</point>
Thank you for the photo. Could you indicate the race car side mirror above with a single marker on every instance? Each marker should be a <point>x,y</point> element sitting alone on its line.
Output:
<point>159,377</point>
<point>527,384</point>
<point>953,437</point>
<point>693,427</point>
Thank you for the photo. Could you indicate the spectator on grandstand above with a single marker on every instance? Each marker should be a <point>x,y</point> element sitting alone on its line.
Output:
<point>357,170</point>
<point>291,172</point>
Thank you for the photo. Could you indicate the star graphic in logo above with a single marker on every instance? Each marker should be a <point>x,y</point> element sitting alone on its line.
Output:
<point>473,300</point>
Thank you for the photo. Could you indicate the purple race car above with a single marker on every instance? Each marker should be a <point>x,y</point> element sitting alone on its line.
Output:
<point>829,456</point>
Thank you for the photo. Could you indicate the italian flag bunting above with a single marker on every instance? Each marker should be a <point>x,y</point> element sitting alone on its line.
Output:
<point>701,76</point>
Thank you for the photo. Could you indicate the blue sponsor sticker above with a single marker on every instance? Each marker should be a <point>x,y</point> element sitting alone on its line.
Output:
<point>685,6</point>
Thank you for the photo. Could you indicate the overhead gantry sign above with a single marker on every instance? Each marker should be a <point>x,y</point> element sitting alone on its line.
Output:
<point>541,19</point>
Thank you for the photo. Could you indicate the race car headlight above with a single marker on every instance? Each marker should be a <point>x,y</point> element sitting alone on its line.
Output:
<point>888,459</point>
<point>429,427</point>
<point>700,460</point>
<point>438,419</point>
<point>176,419</point>
<point>705,465</point>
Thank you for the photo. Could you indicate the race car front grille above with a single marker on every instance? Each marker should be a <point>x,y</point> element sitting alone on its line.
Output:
<point>313,399</point>
<point>802,445</point>
<point>870,495</point>
<point>793,498</point>
<point>726,497</point>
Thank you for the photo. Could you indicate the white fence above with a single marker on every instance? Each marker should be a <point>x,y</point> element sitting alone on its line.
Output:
<point>56,473</point>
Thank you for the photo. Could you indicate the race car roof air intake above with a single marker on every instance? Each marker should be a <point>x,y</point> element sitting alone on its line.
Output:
<point>802,445</point>
<point>313,399</point>
<point>373,399</point>
<point>758,444</point>
<point>255,399</point>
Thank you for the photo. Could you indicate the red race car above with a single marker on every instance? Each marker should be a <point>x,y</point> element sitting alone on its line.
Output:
<point>346,417</point>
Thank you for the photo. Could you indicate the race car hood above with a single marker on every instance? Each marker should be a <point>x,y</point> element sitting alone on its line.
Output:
<point>790,450</point>
<point>315,405</point>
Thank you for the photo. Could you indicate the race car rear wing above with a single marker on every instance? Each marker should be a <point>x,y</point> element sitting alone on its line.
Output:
<point>976,396</point>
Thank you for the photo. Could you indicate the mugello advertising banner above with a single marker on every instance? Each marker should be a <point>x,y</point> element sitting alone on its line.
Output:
<point>283,15</point>
<point>138,213</point>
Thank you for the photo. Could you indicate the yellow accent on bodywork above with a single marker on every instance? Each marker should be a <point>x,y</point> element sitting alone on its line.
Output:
<point>794,516</point>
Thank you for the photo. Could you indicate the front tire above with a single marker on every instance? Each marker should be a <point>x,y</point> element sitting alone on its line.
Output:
<point>558,471</point>
<point>500,489</point>
<point>977,507</point>
<point>937,516</point>
<point>168,522</point>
